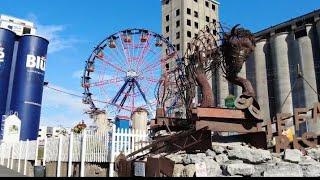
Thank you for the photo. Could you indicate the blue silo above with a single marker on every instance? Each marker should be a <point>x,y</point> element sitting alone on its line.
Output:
<point>28,84</point>
<point>7,41</point>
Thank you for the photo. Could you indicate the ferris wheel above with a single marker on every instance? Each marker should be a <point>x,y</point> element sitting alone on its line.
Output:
<point>124,70</point>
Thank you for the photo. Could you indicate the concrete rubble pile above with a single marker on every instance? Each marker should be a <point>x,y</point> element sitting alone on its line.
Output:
<point>239,159</point>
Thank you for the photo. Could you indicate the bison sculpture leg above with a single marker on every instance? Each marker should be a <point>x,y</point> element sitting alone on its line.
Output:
<point>207,94</point>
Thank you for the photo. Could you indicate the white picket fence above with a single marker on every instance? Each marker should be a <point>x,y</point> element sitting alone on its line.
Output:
<point>89,146</point>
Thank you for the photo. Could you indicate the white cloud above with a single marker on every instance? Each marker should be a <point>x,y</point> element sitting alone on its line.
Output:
<point>56,99</point>
<point>62,109</point>
<point>77,74</point>
<point>57,42</point>
<point>53,34</point>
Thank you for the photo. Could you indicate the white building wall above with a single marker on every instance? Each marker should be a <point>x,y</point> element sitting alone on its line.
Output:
<point>19,26</point>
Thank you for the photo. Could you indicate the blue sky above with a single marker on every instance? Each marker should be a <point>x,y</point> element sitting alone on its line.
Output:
<point>74,27</point>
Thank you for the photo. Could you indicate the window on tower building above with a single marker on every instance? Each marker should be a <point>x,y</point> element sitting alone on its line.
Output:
<point>26,30</point>
<point>167,29</point>
<point>213,7</point>
<point>207,4</point>
<point>195,0</point>
<point>196,25</point>
<point>196,35</point>
<point>196,14</point>
<point>177,12</point>
<point>207,19</point>
<point>188,11</point>
<point>178,35</point>
<point>188,22</point>
<point>214,20</point>
<point>167,18</point>
<point>189,34</point>
<point>178,24</point>
<point>178,47</point>
<point>214,32</point>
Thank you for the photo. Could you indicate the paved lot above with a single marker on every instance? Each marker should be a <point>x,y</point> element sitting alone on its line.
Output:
<point>5,172</point>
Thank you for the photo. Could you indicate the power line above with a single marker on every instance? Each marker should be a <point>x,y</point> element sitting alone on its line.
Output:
<point>74,95</point>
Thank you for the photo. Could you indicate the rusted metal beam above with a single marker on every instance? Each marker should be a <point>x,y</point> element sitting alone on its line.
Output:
<point>201,141</point>
<point>163,122</point>
<point>223,125</point>
<point>221,113</point>
<point>180,141</point>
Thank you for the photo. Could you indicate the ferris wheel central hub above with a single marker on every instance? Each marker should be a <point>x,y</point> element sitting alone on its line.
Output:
<point>132,74</point>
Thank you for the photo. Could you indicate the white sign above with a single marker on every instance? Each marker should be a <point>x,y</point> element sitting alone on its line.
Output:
<point>139,169</point>
<point>2,55</point>
<point>36,62</point>
<point>201,169</point>
<point>11,132</point>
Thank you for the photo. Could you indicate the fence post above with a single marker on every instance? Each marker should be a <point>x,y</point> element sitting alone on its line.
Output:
<point>121,136</point>
<point>126,139</point>
<point>8,157</point>
<point>129,141</point>
<point>70,155</point>
<point>37,151</point>
<point>26,158</point>
<point>83,153</point>
<point>59,156</point>
<point>111,165</point>
<point>19,158</point>
<point>2,153</point>
<point>139,140</point>
<point>133,141</point>
<point>44,151</point>
<point>12,151</point>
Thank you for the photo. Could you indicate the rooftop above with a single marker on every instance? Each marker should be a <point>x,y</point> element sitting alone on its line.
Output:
<point>298,21</point>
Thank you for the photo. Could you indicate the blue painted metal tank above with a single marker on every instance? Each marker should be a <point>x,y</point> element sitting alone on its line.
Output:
<point>28,84</point>
<point>122,122</point>
<point>7,41</point>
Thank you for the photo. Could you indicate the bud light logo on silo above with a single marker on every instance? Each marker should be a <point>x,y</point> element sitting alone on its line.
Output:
<point>2,55</point>
<point>37,62</point>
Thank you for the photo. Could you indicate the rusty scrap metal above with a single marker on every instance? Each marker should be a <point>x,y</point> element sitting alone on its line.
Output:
<point>123,167</point>
<point>237,47</point>
<point>187,140</point>
<point>170,124</point>
<point>213,49</point>
<point>225,120</point>
<point>201,57</point>
<point>256,139</point>
<point>159,167</point>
